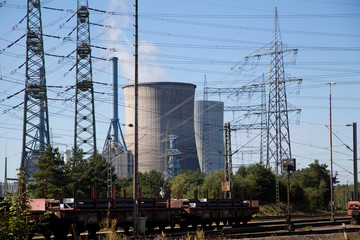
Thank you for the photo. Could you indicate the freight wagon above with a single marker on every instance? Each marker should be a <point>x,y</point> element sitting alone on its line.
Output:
<point>77,215</point>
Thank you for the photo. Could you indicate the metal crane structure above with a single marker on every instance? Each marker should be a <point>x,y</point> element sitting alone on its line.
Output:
<point>85,135</point>
<point>249,109</point>
<point>36,120</point>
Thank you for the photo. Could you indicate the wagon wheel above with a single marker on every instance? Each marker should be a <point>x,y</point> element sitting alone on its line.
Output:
<point>150,226</point>
<point>217,222</point>
<point>172,225</point>
<point>162,226</point>
<point>236,223</point>
<point>184,225</point>
<point>203,224</point>
<point>126,228</point>
<point>246,220</point>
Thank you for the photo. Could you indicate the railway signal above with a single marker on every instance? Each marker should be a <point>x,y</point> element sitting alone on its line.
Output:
<point>289,165</point>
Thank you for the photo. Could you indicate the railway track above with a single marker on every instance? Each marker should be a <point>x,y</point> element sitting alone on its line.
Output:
<point>256,229</point>
<point>300,227</point>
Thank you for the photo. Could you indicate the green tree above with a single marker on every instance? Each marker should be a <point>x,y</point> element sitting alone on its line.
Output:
<point>74,171</point>
<point>212,184</point>
<point>126,184</point>
<point>94,172</point>
<point>148,181</point>
<point>50,174</point>
<point>187,182</point>
<point>315,181</point>
<point>342,194</point>
<point>256,180</point>
<point>14,224</point>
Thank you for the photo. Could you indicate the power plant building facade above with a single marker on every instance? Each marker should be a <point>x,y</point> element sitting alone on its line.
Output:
<point>209,135</point>
<point>164,109</point>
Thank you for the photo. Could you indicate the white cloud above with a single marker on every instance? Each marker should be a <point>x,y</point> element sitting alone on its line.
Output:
<point>148,66</point>
<point>149,69</point>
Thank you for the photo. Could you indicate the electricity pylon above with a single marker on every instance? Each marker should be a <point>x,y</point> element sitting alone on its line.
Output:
<point>278,139</point>
<point>85,135</point>
<point>36,121</point>
<point>206,156</point>
<point>278,133</point>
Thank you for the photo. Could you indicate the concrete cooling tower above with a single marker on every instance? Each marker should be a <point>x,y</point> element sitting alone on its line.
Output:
<point>209,137</point>
<point>164,108</point>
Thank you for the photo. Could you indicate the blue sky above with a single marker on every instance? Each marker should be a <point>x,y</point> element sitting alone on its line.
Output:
<point>183,40</point>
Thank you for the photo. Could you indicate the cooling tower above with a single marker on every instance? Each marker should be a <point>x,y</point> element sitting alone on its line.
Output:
<point>209,135</point>
<point>163,108</point>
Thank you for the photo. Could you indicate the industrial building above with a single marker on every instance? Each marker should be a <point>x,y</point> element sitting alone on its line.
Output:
<point>209,122</point>
<point>164,109</point>
<point>122,161</point>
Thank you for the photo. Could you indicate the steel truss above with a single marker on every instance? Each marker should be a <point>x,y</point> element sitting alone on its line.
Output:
<point>36,120</point>
<point>85,134</point>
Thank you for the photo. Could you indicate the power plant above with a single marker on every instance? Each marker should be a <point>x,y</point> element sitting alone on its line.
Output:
<point>173,131</point>
<point>214,159</point>
<point>163,108</point>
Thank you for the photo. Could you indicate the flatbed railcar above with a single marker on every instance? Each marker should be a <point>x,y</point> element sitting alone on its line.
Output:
<point>77,215</point>
<point>354,211</point>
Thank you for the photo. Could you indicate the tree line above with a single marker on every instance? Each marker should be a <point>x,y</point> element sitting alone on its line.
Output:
<point>309,187</point>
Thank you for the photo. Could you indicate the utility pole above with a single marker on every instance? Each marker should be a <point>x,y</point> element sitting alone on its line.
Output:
<point>5,182</point>
<point>135,170</point>
<point>227,184</point>
<point>354,125</point>
<point>36,122</point>
<point>109,169</point>
<point>85,134</point>
<point>355,161</point>
<point>331,158</point>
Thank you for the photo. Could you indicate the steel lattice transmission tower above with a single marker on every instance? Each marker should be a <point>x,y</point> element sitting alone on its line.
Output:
<point>206,162</point>
<point>278,138</point>
<point>36,121</point>
<point>278,133</point>
<point>85,136</point>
